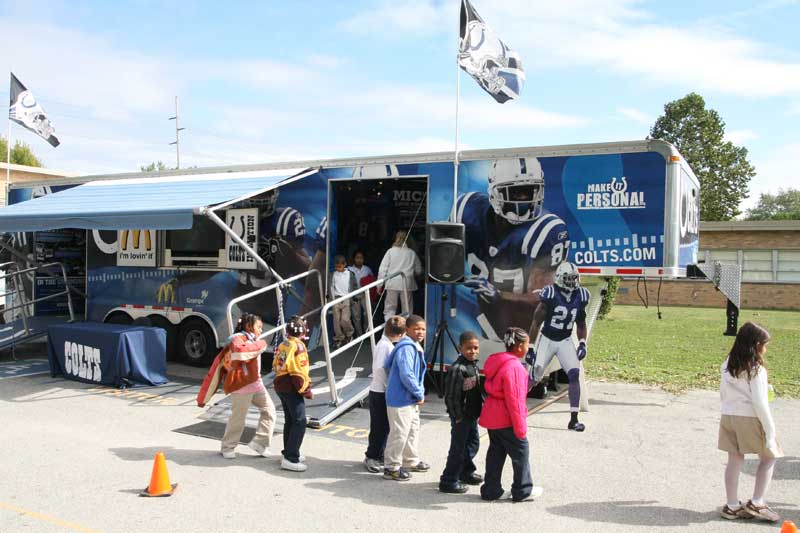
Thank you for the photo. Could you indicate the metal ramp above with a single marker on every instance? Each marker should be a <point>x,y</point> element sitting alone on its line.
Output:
<point>340,377</point>
<point>351,368</point>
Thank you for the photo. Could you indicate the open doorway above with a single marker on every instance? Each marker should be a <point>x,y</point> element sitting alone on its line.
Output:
<point>366,213</point>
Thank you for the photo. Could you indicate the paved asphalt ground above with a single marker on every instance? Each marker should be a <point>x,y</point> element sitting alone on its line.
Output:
<point>76,456</point>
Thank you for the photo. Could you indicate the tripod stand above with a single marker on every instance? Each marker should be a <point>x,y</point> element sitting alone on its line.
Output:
<point>437,349</point>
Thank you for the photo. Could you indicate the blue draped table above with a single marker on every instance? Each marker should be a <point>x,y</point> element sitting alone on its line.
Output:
<point>108,354</point>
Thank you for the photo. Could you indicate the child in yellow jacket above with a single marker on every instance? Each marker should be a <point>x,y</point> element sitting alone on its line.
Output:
<point>293,385</point>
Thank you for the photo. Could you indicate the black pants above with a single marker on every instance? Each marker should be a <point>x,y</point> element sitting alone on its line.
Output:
<point>294,427</point>
<point>502,443</point>
<point>464,444</point>
<point>378,425</point>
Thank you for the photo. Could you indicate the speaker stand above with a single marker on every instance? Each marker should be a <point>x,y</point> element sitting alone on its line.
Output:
<point>437,349</point>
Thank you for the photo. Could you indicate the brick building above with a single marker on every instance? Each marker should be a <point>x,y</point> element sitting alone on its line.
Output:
<point>768,252</point>
<point>22,173</point>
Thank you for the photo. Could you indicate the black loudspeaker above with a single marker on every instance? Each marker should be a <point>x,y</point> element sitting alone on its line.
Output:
<point>444,252</point>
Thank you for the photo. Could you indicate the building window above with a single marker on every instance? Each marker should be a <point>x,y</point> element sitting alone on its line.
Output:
<point>757,265</point>
<point>766,266</point>
<point>788,267</point>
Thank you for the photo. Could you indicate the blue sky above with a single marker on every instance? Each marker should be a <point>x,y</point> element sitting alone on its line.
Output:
<point>275,81</point>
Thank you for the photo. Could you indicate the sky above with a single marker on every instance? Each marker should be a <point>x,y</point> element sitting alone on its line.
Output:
<point>278,81</point>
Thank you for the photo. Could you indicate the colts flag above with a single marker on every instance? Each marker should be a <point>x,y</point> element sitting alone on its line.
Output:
<point>26,111</point>
<point>482,55</point>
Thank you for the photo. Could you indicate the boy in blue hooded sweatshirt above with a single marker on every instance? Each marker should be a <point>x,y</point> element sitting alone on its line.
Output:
<point>405,367</point>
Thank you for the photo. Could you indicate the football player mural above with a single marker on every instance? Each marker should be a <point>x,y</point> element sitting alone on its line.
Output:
<point>513,246</point>
<point>562,305</point>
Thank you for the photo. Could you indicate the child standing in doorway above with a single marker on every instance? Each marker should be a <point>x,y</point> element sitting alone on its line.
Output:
<point>340,283</point>
<point>293,386</point>
<point>463,397</point>
<point>359,307</point>
<point>746,424</point>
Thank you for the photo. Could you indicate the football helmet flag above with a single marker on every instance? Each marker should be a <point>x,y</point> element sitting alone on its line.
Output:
<point>482,55</point>
<point>24,109</point>
<point>516,189</point>
<point>567,276</point>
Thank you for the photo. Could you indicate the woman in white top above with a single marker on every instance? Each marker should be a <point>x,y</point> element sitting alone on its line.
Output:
<point>399,258</point>
<point>746,424</point>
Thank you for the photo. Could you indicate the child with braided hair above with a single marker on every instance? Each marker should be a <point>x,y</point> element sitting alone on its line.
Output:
<point>243,382</point>
<point>505,415</point>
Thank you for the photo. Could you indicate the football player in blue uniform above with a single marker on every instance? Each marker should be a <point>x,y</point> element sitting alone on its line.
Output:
<point>281,235</point>
<point>561,306</point>
<point>512,245</point>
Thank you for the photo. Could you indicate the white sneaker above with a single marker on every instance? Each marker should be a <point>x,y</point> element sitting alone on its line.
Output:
<point>294,467</point>
<point>228,454</point>
<point>302,459</point>
<point>263,451</point>
<point>535,493</point>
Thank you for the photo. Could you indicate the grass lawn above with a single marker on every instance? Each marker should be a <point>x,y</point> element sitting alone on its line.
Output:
<point>686,348</point>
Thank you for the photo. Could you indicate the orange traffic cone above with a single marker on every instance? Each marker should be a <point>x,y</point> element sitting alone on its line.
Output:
<point>159,479</point>
<point>788,527</point>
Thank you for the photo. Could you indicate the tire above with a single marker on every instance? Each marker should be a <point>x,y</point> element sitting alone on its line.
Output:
<point>159,321</point>
<point>119,317</point>
<point>196,343</point>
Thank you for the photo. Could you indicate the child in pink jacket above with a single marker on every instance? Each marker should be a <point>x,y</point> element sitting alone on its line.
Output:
<point>505,415</point>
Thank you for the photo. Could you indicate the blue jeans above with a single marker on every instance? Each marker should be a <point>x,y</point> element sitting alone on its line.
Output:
<point>502,443</point>
<point>464,444</point>
<point>378,426</point>
<point>294,427</point>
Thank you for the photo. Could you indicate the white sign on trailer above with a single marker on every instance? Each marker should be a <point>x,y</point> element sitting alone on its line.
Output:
<point>244,222</point>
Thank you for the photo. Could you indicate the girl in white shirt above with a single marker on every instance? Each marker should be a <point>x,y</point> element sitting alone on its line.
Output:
<point>746,424</point>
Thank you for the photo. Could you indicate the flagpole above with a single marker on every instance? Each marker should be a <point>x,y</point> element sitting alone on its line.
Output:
<point>455,159</point>
<point>8,160</point>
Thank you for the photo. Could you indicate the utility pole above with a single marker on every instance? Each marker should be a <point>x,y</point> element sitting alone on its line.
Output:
<point>177,142</point>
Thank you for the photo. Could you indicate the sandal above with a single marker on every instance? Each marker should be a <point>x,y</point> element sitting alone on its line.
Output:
<point>761,512</point>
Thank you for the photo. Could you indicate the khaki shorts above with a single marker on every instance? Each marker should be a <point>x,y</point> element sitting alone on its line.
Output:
<point>743,434</point>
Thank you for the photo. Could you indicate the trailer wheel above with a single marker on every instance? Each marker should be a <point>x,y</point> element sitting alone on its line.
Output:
<point>196,342</point>
<point>159,321</point>
<point>119,317</point>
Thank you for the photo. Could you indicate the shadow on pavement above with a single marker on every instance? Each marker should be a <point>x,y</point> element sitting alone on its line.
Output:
<point>645,513</point>
<point>786,468</point>
<point>634,513</point>
<point>351,481</point>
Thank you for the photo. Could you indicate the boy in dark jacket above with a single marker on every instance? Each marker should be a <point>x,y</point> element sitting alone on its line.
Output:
<point>464,401</point>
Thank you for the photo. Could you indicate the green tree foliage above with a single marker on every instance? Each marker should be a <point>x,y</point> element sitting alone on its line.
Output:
<point>20,154</point>
<point>782,206</point>
<point>155,166</point>
<point>722,168</point>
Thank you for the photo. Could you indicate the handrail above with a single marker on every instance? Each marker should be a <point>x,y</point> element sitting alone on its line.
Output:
<point>370,327</point>
<point>278,284</point>
<point>24,304</point>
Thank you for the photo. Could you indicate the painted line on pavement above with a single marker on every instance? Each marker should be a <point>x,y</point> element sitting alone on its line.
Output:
<point>45,518</point>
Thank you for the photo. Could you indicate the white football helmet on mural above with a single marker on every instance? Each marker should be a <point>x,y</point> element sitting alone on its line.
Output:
<point>266,202</point>
<point>516,188</point>
<point>567,276</point>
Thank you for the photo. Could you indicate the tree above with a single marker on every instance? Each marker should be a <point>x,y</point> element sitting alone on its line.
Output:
<point>785,205</point>
<point>722,168</point>
<point>21,154</point>
<point>155,166</point>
